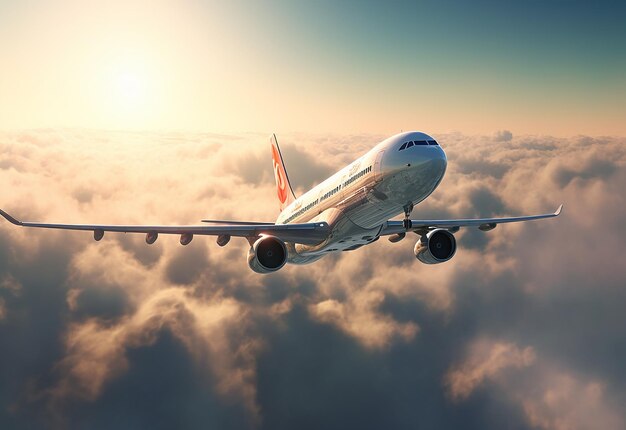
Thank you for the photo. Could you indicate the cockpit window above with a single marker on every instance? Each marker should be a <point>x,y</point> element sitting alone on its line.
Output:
<point>407,145</point>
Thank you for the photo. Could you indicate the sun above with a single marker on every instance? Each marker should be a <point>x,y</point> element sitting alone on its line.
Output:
<point>129,84</point>
<point>129,91</point>
<point>129,87</point>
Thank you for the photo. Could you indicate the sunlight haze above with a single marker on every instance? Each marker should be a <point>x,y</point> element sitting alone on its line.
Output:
<point>326,66</point>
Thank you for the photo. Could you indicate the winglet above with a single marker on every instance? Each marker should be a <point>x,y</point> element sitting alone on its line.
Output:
<point>285,193</point>
<point>558,211</point>
<point>10,218</point>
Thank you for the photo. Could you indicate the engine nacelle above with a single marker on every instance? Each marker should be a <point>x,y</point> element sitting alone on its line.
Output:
<point>436,247</point>
<point>151,237</point>
<point>267,254</point>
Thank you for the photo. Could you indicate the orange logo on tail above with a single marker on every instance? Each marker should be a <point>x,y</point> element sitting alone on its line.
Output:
<point>279,175</point>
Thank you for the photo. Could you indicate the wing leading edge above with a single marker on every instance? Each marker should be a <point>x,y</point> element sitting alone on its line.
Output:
<point>485,224</point>
<point>305,233</point>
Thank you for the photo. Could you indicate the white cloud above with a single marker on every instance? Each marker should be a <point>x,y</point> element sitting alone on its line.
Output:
<point>219,310</point>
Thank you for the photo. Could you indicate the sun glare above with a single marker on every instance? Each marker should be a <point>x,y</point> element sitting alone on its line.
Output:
<point>128,85</point>
<point>130,91</point>
<point>129,88</point>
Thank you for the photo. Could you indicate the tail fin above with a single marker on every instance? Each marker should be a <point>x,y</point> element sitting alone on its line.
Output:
<point>283,187</point>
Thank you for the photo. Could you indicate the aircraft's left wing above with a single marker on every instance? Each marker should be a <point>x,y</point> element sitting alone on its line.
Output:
<point>485,224</point>
<point>305,233</point>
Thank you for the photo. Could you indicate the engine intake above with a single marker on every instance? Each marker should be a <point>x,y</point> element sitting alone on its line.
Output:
<point>267,254</point>
<point>437,246</point>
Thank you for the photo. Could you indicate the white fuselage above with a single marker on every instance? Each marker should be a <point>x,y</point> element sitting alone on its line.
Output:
<point>358,200</point>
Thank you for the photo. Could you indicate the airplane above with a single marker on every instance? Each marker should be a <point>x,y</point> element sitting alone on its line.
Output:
<point>352,208</point>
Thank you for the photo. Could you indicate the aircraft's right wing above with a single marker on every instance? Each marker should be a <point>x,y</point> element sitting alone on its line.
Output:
<point>305,233</point>
<point>485,224</point>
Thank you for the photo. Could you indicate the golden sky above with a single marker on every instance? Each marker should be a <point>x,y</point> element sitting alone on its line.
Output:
<point>291,66</point>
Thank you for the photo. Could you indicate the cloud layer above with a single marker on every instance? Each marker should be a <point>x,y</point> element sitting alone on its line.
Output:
<point>118,332</point>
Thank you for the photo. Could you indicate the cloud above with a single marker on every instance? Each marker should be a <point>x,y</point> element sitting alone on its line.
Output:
<point>503,136</point>
<point>303,166</point>
<point>563,401</point>
<point>519,319</point>
<point>487,359</point>
<point>594,166</point>
<point>481,167</point>
<point>362,321</point>
<point>551,397</point>
<point>187,264</point>
<point>96,351</point>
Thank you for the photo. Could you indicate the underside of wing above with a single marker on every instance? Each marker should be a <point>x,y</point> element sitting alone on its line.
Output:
<point>305,233</point>
<point>484,224</point>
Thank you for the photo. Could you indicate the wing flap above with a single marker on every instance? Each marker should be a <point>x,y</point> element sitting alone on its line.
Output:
<point>218,221</point>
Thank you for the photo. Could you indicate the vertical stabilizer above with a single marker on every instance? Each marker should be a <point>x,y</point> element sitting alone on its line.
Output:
<point>283,187</point>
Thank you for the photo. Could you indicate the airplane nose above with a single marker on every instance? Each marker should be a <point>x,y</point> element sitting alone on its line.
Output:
<point>415,160</point>
<point>433,157</point>
<point>422,170</point>
<point>439,157</point>
<point>437,162</point>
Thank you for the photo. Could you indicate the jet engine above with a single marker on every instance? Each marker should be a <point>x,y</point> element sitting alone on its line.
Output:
<point>437,246</point>
<point>267,254</point>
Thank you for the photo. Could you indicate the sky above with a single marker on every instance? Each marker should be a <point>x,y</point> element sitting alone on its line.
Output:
<point>533,67</point>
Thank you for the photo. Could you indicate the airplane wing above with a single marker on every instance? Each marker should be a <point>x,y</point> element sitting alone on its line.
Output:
<point>484,224</point>
<point>305,233</point>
